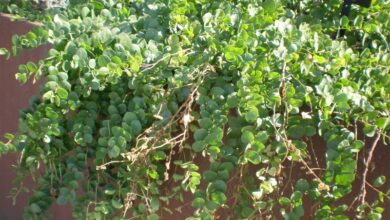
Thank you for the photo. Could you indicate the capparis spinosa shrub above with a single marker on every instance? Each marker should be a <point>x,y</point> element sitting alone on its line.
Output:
<point>244,83</point>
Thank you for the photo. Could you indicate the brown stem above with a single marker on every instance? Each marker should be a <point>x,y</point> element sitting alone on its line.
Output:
<point>378,191</point>
<point>362,197</point>
<point>289,178</point>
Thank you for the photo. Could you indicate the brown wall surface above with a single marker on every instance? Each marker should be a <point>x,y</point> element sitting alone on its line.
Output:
<point>14,97</point>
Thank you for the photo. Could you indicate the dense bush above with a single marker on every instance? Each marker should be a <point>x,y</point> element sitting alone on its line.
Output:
<point>134,88</point>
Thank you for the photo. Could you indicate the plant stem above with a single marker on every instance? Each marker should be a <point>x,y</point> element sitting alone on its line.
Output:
<point>362,197</point>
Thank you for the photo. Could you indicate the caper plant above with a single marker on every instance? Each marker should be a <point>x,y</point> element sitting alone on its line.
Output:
<point>135,90</point>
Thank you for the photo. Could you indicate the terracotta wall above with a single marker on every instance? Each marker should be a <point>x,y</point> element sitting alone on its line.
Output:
<point>14,97</point>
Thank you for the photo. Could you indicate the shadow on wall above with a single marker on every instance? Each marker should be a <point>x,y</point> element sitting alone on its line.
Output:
<point>13,98</point>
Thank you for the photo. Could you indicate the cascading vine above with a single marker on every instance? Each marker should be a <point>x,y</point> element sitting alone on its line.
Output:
<point>135,91</point>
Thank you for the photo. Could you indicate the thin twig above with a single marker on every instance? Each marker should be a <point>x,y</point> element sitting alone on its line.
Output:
<point>104,166</point>
<point>377,190</point>
<point>362,197</point>
<point>152,65</point>
<point>313,152</point>
<point>289,178</point>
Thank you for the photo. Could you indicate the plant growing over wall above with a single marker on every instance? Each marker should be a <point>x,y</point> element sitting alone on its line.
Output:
<point>134,91</point>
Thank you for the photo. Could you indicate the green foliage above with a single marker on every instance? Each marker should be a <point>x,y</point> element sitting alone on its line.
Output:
<point>243,83</point>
